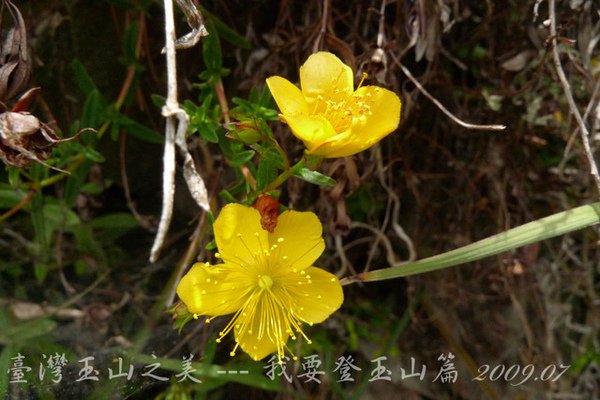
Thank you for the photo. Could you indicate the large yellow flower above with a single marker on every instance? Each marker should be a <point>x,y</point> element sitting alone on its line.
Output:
<point>265,279</point>
<point>328,115</point>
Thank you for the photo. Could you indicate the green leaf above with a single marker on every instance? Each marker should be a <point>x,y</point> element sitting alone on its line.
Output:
<point>267,172</point>
<point>208,132</point>
<point>226,32</point>
<point>91,188</point>
<point>315,177</point>
<point>210,217</point>
<point>74,183</point>
<point>134,128</point>
<point>158,101</point>
<point>115,220</point>
<point>114,131</point>
<point>81,267</point>
<point>260,105</point>
<point>39,172</point>
<point>59,215</point>
<point>106,228</point>
<point>227,196</point>
<point>20,333</point>
<point>84,80</point>
<point>5,364</point>
<point>40,270</point>
<point>264,127</point>
<point>130,43</point>
<point>93,155</point>
<point>14,176</point>
<point>93,110</point>
<point>10,198</point>
<point>38,221</point>
<point>242,158</point>
<point>87,242</point>
<point>47,218</point>
<point>211,51</point>
<point>581,362</point>
<point>239,189</point>
<point>266,98</point>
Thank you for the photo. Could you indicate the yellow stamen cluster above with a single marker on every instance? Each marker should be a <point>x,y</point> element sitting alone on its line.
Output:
<point>341,110</point>
<point>270,296</point>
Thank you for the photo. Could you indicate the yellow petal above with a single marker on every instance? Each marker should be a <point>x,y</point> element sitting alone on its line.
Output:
<point>323,74</point>
<point>288,97</point>
<point>312,130</point>
<point>337,142</point>
<point>317,300</point>
<point>381,119</point>
<point>259,340</point>
<point>240,237</point>
<point>384,116</point>
<point>298,240</point>
<point>209,290</point>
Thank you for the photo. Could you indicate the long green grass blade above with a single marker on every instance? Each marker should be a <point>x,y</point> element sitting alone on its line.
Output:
<point>544,228</point>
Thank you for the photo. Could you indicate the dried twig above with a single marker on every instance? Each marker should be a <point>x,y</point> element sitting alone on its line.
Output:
<point>323,31</point>
<point>175,134</point>
<point>144,221</point>
<point>186,260</point>
<point>393,197</point>
<point>346,264</point>
<point>441,106</point>
<point>583,130</point>
<point>16,208</point>
<point>591,106</point>
<point>26,310</point>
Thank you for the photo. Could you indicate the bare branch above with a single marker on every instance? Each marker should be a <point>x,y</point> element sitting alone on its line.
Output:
<point>317,45</point>
<point>583,130</point>
<point>441,106</point>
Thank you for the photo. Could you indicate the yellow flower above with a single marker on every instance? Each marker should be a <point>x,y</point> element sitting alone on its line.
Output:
<point>328,115</point>
<point>265,279</point>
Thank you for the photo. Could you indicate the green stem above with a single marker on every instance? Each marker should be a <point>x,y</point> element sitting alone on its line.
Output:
<point>76,162</point>
<point>284,176</point>
<point>541,229</point>
<point>312,162</point>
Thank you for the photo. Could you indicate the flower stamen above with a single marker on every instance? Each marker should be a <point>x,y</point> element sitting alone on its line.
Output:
<point>364,76</point>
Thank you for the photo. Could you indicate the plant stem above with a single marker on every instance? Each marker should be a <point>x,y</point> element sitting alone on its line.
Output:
<point>284,176</point>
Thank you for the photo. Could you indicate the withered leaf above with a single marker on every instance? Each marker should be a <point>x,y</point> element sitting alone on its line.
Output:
<point>24,139</point>
<point>15,69</point>
<point>195,21</point>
